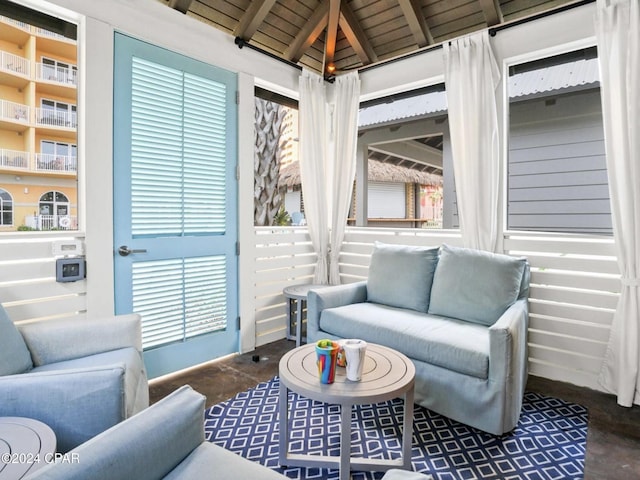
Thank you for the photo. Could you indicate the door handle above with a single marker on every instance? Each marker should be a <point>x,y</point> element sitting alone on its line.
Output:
<point>123,250</point>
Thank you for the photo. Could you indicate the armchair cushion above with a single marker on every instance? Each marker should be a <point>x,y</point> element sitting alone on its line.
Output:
<point>128,359</point>
<point>14,355</point>
<point>401,276</point>
<point>474,285</point>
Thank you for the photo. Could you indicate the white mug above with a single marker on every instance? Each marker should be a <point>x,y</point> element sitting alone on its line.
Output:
<point>354,351</point>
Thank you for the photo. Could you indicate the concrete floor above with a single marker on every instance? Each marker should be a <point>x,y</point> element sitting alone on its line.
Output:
<point>613,439</point>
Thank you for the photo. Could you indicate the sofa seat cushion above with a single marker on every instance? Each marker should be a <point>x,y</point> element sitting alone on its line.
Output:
<point>211,461</point>
<point>128,357</point>
<point>446,342</point>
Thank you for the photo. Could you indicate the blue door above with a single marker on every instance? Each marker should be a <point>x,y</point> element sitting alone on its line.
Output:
<point>175,205</point>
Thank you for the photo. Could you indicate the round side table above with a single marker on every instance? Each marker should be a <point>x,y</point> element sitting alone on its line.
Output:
<point>296,296</point>
<point>25,446</point>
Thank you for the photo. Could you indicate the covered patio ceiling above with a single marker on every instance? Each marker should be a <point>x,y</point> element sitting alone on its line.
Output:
<point>333,36</point>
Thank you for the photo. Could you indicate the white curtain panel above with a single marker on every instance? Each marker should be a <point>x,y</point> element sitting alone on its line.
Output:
<point>313,147</point>
<point>342,162</point>
<point>618,37</point>
<point>328,116</point>
<point>471,79</point>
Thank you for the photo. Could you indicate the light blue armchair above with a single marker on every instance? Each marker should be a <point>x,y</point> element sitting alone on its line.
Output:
<point>80,377</point>
<point>165,441</point>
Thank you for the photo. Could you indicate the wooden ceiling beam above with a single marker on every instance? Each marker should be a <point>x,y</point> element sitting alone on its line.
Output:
<point>180,5</point>
<point>492,12</point>
<point>416,21</point>
<point>332,32</point>
<point>252,18</point>
<point>309,33</point>
<point>356,36</point>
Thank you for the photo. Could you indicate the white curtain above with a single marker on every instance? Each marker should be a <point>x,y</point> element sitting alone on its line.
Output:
<point>618,37</point>
<point>471,79</point>
<point>313,147</point>
<point>342,160</point>
<point>328,116</point>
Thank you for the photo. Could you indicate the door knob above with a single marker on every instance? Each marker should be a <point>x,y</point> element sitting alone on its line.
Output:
<point>123,250</point>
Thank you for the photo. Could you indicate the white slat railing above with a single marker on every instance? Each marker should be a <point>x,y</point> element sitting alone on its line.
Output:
<point>28,287</point>
<point>575,286</point>
<point>283,256</point>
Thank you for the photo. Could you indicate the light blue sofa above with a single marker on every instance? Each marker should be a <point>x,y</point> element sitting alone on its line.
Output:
<point>461,315</point>
<point>165,441</point>
<point>80,377</point>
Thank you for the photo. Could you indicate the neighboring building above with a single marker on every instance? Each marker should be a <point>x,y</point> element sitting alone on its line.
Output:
<point>38,128</point>
<point>398,196</point>
<point>557,177</point>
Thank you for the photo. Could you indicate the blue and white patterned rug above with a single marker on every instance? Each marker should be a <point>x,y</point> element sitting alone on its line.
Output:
<point>548,443</point>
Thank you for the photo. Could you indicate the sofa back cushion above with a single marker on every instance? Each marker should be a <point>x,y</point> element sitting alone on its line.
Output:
<point>401,276</point>
<point>475,285</point>
<point>14,354</point>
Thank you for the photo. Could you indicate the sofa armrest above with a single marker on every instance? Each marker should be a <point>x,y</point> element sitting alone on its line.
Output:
<point>53,341</point>
<point>146,446</point>
<point>508,339</point>
<point>508,360</point>
<point>76,404</point>
<point>330,297</point>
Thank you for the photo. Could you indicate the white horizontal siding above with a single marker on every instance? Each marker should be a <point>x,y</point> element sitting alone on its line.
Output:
<point>282,256</point>
<point>28,287</point>
<point>574,286</point>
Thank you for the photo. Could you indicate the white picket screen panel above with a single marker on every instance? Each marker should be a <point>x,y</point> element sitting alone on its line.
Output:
<point>575,286</point>
<point>28,288</point>
<point>282,256</point>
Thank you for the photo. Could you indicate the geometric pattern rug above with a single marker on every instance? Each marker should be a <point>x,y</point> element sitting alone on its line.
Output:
<point>548,443</point>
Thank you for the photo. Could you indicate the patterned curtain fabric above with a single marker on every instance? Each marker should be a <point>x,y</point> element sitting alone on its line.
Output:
<point>618,37</point>
<point>471,78</point>
<point>328,116</point>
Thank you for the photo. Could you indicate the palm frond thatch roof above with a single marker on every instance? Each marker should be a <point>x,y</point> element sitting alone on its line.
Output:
<point>378,172</point>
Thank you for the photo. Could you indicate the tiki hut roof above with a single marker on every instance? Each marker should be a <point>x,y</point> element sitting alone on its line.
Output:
<point>378,172</point>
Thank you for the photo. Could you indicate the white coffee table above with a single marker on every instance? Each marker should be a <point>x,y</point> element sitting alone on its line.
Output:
<point>387,374</point>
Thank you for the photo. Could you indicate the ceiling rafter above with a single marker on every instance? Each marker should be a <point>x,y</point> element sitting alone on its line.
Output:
<point>252,18</point>
<point>356,36</point>
<point>416,21</point>
<point>332,34</point>
<point>180,5</point>
<point>309,33</point>
<point>492,12</point>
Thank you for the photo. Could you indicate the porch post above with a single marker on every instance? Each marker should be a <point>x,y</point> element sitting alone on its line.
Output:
<point>362,183</point>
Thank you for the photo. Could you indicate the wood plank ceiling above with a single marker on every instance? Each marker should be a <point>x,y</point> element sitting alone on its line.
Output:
<point>333,36</point>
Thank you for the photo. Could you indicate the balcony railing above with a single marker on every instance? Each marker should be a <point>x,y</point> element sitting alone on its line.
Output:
<point>18,65</point>
<point>56,163</point>
<point>17,23</point>
<point>14,159</point>
<point>51,222</point>
<point>57,118</point>
<point>46,33</point>
<point>15,64</point>
<point>16,112</point>
<point>52,73</point>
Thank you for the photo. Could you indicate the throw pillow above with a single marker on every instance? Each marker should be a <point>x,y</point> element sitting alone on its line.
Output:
<point>475,285</point>
<point>14,354</point>
<point>401,276</point>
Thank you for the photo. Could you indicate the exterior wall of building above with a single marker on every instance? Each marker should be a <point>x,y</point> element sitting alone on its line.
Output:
<point>26,172</point>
